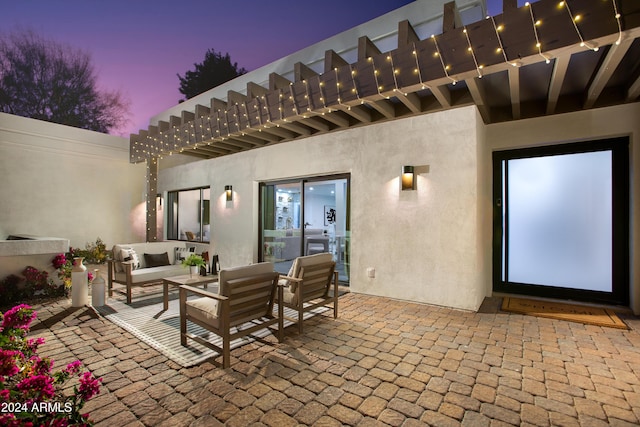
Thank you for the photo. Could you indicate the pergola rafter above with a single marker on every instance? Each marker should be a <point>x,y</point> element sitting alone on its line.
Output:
<point>499,64</point>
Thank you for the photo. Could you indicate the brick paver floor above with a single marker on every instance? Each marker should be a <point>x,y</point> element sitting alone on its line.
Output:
<point>382,362</point>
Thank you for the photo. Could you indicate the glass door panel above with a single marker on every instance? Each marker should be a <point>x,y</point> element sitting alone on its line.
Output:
<point>281,234</point>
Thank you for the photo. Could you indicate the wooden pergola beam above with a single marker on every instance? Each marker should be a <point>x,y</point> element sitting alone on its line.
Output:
<point>606,70</point>
<point>560,66</point>
<point>514,91</point>
<point>406,34</point>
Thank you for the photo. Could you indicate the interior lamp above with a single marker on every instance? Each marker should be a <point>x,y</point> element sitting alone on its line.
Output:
<point>229,190</point>
<point>407,180</point>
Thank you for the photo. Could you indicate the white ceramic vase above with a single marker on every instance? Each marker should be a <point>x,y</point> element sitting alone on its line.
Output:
<point>97,289</point>
<point>79,283</point>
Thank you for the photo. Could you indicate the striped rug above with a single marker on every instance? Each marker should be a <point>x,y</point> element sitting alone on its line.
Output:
<point>146,320</point>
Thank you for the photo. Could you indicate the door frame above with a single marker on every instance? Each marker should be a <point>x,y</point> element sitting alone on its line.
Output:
<point>619,295</point>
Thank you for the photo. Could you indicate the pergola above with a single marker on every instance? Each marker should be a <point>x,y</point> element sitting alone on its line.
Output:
<point>544,58</point>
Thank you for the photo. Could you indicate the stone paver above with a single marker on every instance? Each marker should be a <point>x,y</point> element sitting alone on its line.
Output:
<point>382,362</point>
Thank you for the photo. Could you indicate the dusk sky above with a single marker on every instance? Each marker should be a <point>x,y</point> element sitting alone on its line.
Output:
<point>138,47</point>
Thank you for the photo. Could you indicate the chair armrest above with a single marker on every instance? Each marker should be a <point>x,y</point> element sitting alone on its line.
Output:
<point>201,292</point>
<point>294,279</point>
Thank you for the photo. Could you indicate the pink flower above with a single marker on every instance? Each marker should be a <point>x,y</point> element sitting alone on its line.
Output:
<point>73,367</point>
<point>8,366</point>
<point>59,261</point>
<point>89,386</point>
<point>9,420</point>
<point>32,344</point>
<point>38,386</point>
<point>41,366</point>
<point>18,317</point>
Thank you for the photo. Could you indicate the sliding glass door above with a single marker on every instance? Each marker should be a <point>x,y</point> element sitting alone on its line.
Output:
<point>561,221</point>
<point>303,217</point>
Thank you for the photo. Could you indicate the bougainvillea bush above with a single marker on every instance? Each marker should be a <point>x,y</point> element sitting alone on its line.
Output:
<point>30,390</point>
<point>33,283</point>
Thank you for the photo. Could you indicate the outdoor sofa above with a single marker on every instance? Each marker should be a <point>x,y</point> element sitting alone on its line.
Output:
<point>135,264</point>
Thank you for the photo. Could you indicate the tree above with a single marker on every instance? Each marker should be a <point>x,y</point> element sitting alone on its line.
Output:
<point>213,71</point>
<point>46,80</point>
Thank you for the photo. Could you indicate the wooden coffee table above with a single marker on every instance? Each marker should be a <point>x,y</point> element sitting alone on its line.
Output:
<point>187,279</point>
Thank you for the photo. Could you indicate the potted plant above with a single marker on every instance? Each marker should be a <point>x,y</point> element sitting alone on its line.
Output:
<point>194,262</point>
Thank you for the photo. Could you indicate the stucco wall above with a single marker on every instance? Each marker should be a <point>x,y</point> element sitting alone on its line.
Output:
<point>423,243</point>
<point>70,183</point>
<point>580,126</point>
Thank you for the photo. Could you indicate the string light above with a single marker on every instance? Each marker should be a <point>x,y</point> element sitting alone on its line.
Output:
<point>501,48</point>
<point>293,99</point>
<point>575,20</point>
<point>470,49</point>
<point>246,114</point>
<point>415,54</point>
<point>439,55</point>
<point>355,87</point>
<point>335,70</point>
<point>308,94</point>
<point>617,16</point>
<point>375,75</point>
<point>395,71</point>
<point>259,116</point>
<point>237,116</point>
<point>535,32</point>
<point>320,84</point>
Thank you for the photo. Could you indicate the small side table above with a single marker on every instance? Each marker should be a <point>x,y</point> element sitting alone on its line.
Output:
<point>194,280</point>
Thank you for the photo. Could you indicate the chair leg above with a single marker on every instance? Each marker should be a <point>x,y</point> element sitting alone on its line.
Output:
<point>280,315</point>
<point>128,293</point>
<point>300,317</point>
<point>335,294</point>
<point>226,350</point>
<point>183,318</point>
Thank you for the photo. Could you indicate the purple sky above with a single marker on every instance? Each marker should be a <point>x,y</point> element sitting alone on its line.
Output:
<point>138,47</point>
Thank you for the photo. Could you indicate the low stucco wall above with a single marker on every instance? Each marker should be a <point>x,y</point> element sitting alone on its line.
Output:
<point>68,182</point>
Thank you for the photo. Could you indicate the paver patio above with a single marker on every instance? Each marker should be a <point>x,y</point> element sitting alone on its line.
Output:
<point>382,362</point>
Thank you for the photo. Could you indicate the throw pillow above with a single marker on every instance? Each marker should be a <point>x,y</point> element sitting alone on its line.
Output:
<point>156,260</point>
<point>182,253</point>
<point>131,255</point>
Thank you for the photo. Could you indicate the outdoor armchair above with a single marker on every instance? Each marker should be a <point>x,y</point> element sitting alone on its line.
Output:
<point>308,286</point>
<point>243,306</point>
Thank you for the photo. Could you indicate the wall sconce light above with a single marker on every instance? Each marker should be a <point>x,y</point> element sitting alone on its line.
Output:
<point>229,190</point>
<point>407,180</point>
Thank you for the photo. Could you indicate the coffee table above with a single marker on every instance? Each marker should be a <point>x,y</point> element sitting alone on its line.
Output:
<point>187,279</point>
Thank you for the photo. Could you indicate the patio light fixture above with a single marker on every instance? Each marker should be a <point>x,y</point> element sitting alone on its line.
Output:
<point>407,178</point>
<point>229,190</point>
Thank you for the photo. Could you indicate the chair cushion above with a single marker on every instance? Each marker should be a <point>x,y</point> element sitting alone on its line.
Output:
<point>130,255</point>
<point>156,260</point>
<point>151,274</point>
<point>239,272</point>
<point>289,297</point>
<point>204,309</point>
<point>305,261</point>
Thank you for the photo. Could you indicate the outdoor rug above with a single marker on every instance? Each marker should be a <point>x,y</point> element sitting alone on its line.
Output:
<point>146,320</point>
<point>561,311</point>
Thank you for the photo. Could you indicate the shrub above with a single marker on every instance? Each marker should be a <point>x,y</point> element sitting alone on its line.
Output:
<point>30,392</point>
